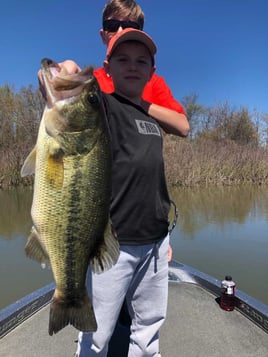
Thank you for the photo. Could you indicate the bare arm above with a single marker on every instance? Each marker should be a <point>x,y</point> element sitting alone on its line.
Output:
<point>171,121</point>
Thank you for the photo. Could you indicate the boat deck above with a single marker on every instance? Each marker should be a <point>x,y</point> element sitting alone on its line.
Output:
<point>195,327</point>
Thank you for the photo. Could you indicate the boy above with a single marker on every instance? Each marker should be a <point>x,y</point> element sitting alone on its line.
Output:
<point>139,206</point>
<point>157,96</point>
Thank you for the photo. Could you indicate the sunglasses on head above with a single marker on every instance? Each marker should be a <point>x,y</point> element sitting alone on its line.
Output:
<point>113,25</point>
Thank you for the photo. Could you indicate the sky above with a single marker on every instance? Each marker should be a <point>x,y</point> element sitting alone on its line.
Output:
<point>215,49</point>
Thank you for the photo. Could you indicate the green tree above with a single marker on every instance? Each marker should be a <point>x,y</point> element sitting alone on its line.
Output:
<point>241,128</point>
<point>195,114</point>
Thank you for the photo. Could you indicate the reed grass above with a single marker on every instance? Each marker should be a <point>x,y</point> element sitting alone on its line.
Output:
<point>187,163</point>
<point>213,163</point>
<point>11,161</point>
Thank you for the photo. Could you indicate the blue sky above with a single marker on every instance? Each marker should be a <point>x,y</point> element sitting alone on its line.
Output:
<point>217,49</point>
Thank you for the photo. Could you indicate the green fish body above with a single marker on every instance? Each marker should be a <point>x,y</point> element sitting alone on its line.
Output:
<point>72,188</point>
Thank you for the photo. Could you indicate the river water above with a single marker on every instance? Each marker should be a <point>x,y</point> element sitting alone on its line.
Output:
<point>220,230</point>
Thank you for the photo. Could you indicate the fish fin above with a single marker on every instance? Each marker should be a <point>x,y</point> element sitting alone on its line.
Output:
<point>34,248</point>
<point>108,254</point>
<point>54,170</point>
<point>80,314</point>
<point>28,168</point>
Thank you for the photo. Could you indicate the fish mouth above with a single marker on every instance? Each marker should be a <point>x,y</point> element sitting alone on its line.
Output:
<point>51,67</point>
<point>59,84</point>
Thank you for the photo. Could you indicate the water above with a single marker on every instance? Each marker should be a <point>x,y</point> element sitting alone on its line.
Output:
<point>220,231</point>
<point>223,231</point>
<point>19,275</point>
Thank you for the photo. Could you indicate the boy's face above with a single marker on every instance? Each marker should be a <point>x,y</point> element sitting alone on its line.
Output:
<point>131,68</point>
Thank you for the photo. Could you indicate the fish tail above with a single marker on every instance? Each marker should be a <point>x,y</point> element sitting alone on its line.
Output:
<point>80,314</point>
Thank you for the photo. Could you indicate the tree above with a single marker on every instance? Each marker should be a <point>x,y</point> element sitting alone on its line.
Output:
<point>224,123</point>
<point>7,107</point>
<point>194,112</point>
<point>241,128</point>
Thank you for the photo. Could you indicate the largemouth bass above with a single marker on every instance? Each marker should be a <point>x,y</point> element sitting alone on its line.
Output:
<point>72,186</point>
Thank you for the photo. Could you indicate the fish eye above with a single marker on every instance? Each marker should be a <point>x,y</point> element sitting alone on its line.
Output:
<point>93,100</point>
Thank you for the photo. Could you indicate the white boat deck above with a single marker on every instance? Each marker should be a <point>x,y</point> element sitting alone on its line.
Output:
<point>195,327</point>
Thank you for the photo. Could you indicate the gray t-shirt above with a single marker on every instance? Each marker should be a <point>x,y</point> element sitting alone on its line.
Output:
<point>140,201</point>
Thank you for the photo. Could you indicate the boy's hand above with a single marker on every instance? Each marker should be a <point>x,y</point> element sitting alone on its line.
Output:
<point>169,253</point>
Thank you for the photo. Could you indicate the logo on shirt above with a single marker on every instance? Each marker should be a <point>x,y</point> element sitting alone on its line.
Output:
<point>147,128</point>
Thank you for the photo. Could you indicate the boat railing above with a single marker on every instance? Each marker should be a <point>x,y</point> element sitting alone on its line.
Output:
<point>14,314</point>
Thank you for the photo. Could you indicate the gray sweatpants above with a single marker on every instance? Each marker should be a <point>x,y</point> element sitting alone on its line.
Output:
<point>140,275</point>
